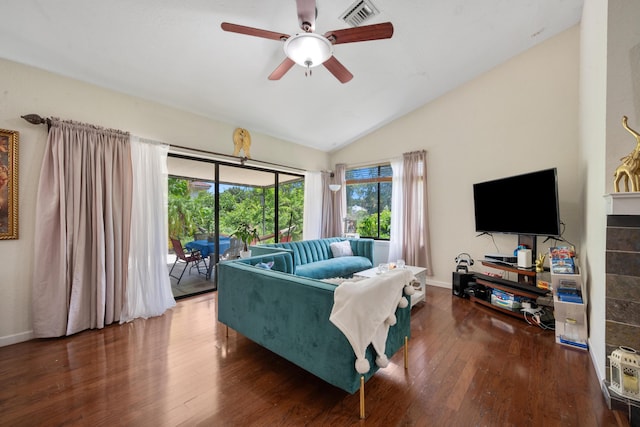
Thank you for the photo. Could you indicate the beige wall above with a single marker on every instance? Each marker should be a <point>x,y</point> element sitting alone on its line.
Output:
<point>610,88</point>
<point>593,91</point>
<point>519,117</point>
<point>25,90</point>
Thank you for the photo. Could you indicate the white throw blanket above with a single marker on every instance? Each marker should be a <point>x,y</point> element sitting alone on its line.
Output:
<point>364,310</point>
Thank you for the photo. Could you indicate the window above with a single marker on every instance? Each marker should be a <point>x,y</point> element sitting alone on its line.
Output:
<point>369,201</point>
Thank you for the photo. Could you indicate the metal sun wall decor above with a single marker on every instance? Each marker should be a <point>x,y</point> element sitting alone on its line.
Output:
<point>242,141</point>
<point>8,184</point>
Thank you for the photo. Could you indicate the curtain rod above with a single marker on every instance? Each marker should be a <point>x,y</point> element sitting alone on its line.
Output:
<point>371,163</point>
<point>242,160</point>
<point>36,119</point>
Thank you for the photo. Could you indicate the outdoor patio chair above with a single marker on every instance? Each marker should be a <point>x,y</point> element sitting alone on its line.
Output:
<point>188,257</point>
<point>286,234</point>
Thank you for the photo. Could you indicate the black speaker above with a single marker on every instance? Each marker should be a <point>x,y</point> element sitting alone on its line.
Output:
<point>460,283</point>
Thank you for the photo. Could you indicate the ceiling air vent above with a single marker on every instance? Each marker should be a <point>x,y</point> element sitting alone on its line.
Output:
<point>359,12</point>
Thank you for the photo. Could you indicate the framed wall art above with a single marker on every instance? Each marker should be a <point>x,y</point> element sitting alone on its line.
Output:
<point>8,184</point>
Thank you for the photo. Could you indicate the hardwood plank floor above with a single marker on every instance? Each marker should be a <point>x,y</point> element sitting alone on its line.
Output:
<point>468,366</point>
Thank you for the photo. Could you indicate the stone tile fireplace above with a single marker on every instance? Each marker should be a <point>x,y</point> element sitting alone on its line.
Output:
<point>623,276</point>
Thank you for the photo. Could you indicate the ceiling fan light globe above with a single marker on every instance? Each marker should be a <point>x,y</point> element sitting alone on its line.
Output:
<point>308,49</point>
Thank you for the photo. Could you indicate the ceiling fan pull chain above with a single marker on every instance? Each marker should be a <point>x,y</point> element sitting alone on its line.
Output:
<point>307,73</point>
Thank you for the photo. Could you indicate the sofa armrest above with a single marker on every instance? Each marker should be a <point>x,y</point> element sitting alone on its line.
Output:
<point>362,247</point>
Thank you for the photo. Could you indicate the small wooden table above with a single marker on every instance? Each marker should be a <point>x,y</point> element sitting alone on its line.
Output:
<point>419,272</point>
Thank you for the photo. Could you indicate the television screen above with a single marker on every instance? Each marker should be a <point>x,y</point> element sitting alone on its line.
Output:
<point>521,204</point>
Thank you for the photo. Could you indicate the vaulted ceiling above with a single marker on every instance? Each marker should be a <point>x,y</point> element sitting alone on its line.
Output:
<point>175,53</point>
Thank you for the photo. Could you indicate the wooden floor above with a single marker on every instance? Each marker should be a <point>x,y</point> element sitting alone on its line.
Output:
<point>468,366</point>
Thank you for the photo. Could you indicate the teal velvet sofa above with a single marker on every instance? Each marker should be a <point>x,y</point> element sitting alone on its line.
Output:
<point>314,259</point>
<point>289,315</point>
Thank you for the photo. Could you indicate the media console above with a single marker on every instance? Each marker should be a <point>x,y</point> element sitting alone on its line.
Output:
<point>524,289</point>
<point>499,293</point>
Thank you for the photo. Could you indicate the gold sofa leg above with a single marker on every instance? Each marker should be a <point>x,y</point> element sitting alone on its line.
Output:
<point>406,366</point>
<point>406,352</point>
<point>362,397</point>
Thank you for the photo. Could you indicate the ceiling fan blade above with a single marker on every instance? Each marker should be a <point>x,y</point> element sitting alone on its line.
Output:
<point>250,31</point>
<point>360,34</point>
<point>336,68</point>
<point>281,69</point>
<point>307,13</point>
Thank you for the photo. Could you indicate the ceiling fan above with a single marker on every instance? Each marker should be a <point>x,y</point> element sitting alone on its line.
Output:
<point>310,49</point>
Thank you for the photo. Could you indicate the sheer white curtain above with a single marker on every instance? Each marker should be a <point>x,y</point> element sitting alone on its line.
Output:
<point>148,290</point>
<point>396,241</point>
<point>312,206</point>
<point>81,230</point>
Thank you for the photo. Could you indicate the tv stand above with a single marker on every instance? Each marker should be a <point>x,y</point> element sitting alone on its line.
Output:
<point>519,289</point>
<point>526,276</point>
<point>525,287</point>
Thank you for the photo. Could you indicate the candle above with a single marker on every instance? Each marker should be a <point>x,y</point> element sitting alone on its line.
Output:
<point>630,383</point>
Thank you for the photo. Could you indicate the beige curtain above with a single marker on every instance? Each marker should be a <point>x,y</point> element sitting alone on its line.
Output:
<point>415,220</point>
<point>333,203</point>
<point>83,215</point>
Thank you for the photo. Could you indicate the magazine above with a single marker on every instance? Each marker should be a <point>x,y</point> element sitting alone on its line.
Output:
<point>562,260</point>
<point>563,266</point>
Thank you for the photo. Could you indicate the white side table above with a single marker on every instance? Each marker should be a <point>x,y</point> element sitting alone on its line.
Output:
<point>419,272</point>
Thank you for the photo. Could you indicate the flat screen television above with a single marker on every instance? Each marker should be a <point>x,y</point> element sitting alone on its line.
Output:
<point>520,204</point>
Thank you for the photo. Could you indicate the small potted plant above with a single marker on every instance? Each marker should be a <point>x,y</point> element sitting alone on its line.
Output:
<point>246,234</point>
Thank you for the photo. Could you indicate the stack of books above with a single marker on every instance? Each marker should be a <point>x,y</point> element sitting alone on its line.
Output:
<point>562,260</point>
<point>568,291</point>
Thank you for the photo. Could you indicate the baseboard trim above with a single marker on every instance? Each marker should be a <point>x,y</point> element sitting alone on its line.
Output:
<point>16,338</point>
<point>438,283</point>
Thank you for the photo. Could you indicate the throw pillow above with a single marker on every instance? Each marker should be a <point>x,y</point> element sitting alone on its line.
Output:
<point>342,248</point>
<point>265,265</point>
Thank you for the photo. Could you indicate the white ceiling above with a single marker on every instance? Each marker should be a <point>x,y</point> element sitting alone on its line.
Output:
<point>175,53</point>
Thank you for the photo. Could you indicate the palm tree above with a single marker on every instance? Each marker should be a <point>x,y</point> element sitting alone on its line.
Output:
<point>179,210</point>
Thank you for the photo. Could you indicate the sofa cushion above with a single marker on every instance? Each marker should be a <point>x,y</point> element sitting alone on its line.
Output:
<point>334,267</point>
<point>340,249</point>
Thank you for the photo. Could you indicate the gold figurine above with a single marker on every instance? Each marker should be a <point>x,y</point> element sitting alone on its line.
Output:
<point>540,263</point>
<point>630,167</point>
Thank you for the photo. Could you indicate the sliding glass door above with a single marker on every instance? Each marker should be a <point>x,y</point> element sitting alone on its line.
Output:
<point>209,198</point>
